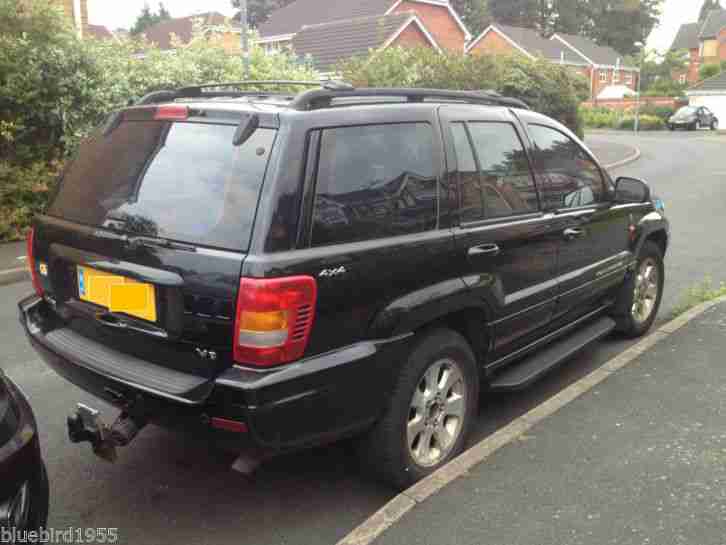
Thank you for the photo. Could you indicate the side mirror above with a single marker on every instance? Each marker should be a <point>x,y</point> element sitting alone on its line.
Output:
<point>631,190</point>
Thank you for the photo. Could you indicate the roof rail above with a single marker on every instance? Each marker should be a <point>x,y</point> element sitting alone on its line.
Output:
<point>198,91</point>
<point>322,98</point>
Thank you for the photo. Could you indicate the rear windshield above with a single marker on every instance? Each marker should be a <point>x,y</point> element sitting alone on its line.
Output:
<point>180,181</point>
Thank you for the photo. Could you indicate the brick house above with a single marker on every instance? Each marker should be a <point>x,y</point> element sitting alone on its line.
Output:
<point>330,43</point>
<point>211,23</point>
<point>319,27</point>
<point>687,39</point>
<point>602,66</point>
<point>705,43</point>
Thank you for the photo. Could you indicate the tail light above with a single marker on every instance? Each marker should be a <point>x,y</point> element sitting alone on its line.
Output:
<point>32,264</point>
<point>273,320</point>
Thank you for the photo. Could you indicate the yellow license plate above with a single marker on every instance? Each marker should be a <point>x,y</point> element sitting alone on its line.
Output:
<point>117,293</point>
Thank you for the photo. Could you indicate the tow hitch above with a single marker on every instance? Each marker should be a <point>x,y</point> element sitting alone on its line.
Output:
<point>85,424</point>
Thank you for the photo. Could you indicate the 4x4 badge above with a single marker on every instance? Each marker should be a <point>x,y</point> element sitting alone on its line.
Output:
<point>326,273</point>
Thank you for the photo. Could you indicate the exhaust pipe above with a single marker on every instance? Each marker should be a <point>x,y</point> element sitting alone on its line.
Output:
<point>85,425</point>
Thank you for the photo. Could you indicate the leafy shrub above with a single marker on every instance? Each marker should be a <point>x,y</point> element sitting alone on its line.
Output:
<point>645,123</point>
<point>23,194</point>
<point>599,117</point>
<point>709,70</point>
<point>662,112</point>
<point>546,87</point>
<point>54,88</point>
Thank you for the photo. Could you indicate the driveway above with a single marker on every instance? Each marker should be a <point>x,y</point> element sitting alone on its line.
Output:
<point>168,490</point>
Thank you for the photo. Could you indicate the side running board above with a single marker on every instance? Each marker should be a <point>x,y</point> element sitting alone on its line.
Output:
<point>524,373</point>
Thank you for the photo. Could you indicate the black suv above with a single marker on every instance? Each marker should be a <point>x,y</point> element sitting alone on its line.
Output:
<point>293,269</point>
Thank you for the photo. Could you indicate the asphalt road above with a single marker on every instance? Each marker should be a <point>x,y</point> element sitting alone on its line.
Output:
<point>167,489</point>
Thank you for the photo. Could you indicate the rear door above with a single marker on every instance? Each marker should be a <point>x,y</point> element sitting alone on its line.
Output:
<point>593,234</point>
<point>505,241</point>
<point>146,236</point>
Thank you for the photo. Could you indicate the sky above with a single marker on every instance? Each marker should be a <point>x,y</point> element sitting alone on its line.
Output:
<point>122,13</point>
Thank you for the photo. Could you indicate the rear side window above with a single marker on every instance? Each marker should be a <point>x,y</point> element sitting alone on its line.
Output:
<point>494,173</point>
<point>181,181</point>
<point>373,182</point>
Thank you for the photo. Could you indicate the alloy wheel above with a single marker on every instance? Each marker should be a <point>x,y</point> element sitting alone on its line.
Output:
<point>646,290</point>
<point>436,413</point>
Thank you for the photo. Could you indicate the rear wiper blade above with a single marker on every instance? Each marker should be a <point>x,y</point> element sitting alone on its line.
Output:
<point>149,242</point>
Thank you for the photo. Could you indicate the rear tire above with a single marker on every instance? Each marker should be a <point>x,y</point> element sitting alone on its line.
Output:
<point>640,296</point>
<point>429,414</point>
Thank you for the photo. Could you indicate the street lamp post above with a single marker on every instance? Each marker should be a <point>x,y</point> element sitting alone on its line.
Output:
<point>244,38</point>
<point>641,45</point>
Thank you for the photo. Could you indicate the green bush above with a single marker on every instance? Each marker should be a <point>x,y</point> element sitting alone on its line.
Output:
<point>600,118</point>
<point>646,123</point>
<point>54,88</point>
<point>23,193</point>
<point>546,87</point>
<point>661,112</point>
<point>709,70</point>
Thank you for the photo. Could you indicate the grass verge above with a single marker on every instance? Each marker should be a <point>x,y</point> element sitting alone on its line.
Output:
<point>700,293</point>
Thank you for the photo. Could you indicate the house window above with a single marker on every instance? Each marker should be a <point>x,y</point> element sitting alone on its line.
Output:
<point>628,78</point>
<point>682,79</point>
<point>603,76</point>
<point>616,76</point>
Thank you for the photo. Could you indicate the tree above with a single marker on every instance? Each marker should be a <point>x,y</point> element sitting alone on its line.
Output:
<point>474,13</point>
<point>258,11</point>
<point>707,7</point>
<point>520,13</point>
<point>621,24</point>
<point>147,18</point>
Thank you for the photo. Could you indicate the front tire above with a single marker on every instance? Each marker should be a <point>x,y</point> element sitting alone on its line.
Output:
<point>640,296</point>
<point>429,414</point>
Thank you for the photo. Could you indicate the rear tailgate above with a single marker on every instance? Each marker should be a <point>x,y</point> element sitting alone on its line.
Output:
<point>142,246</point>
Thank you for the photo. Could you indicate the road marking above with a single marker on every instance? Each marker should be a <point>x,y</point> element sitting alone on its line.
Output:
<point>397,508</point>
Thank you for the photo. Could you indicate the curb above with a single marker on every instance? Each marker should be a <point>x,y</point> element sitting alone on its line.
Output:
<point>396,509</point>
<point>630,159</point>
<point>11,276</point>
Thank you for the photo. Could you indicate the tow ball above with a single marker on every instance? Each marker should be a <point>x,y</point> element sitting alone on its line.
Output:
<point>85,424</point>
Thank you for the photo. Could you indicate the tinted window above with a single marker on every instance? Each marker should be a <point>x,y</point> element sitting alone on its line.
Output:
<point>571,177</point>
<point>180,181</point>
<point>373,182</point>
<point>501,184</point>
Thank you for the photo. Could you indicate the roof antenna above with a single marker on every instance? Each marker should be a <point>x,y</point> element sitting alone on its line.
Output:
<point>246,129</point>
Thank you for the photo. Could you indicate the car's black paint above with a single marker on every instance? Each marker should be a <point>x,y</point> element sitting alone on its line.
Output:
<point>535,285</point>
<point>20,457</point>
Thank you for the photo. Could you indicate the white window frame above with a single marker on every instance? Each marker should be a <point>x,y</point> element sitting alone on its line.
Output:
<point>683,79</point>
<point>603,76</point>
<point>628,78</point>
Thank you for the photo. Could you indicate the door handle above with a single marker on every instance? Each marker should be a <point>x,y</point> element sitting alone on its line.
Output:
<point>573,233</point>
<point>484,249</point>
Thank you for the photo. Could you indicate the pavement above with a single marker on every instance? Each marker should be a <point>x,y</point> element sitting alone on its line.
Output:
<point>638,458</point>
<point>167,489</point>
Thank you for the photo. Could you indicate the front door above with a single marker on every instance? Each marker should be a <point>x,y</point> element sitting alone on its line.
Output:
<point>505,244</point>
<point>593,234</point>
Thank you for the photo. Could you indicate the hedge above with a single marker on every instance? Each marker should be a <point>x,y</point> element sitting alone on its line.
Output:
<point>546,87</point>
<point>55,88</point>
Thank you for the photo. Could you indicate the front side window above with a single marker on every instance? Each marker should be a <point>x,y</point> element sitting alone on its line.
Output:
<point>572,179</point>
<point>494,173</point>
<point>373,182</point>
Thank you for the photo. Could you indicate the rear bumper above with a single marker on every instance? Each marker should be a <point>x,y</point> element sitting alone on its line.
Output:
<point>306,403</point>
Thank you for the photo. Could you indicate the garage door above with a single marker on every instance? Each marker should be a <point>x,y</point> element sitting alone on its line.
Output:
<point>717,104</point>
